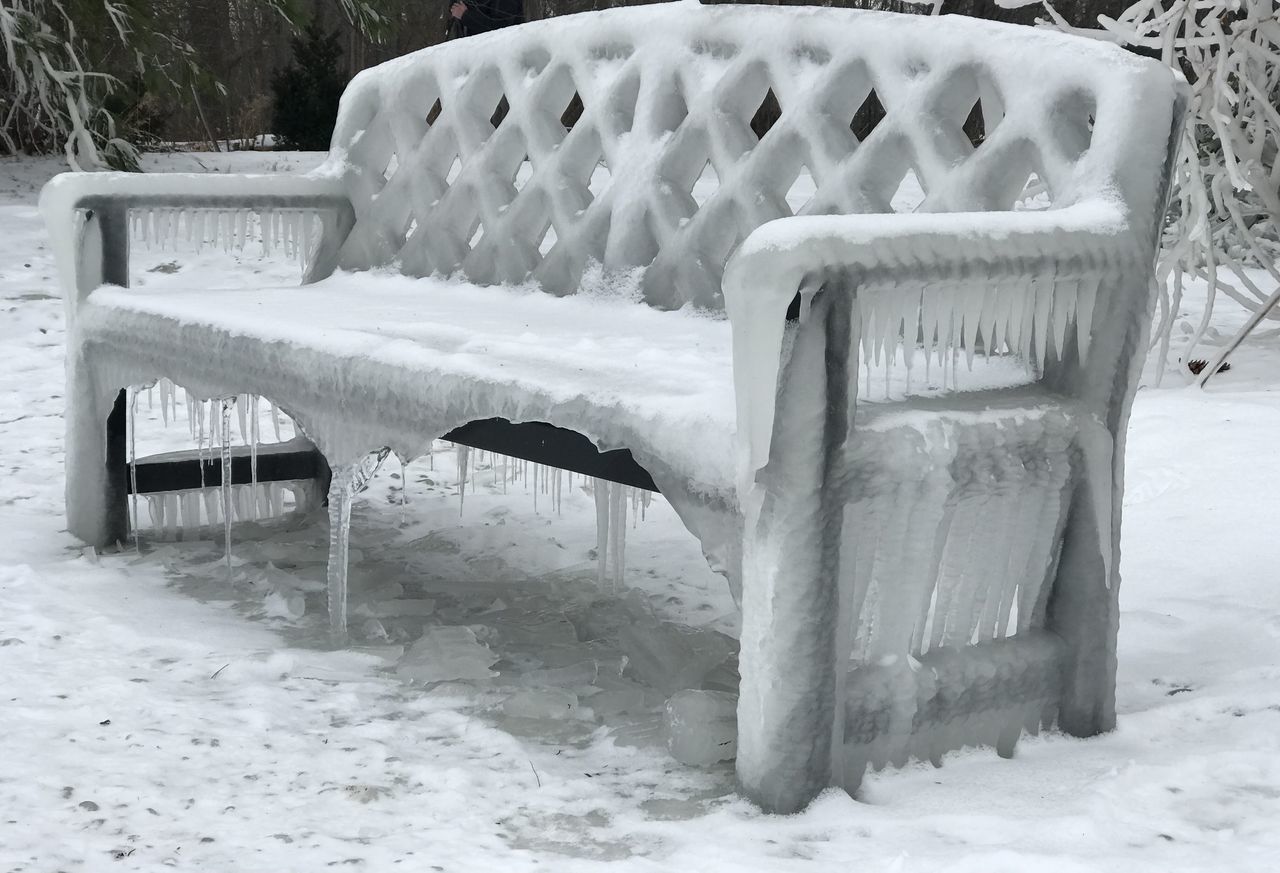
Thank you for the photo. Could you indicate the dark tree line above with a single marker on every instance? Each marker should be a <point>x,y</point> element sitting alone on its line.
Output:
<point>204,71</point>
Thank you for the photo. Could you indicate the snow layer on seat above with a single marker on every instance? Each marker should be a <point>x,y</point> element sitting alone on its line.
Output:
<point>414,358</point>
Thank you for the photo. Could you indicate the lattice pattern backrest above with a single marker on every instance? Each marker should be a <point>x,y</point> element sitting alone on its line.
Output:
<point>629,137</point>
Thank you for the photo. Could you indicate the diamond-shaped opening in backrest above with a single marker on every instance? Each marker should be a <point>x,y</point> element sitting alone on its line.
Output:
<point>476,235</point>
<point>909,194</point>
<point>547,240</point>
<point>523,172</point>
<point>766,114</point>
<point>455,170</point>
<point>801,191</point>
<point>500,112</point>
<point>706,185</point>
<point>572,112</point>
<point>600,179</point>
<point>392,165</point>
<point>434,112</point>
<point>975,129</point>
<point>411,229</point>
<point>1035,195</point>
<point>867,117</point>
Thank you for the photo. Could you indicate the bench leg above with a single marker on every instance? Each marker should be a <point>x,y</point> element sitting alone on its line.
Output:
<point>790,600</point>
<point>96,461</point>
<point>1084,611</point>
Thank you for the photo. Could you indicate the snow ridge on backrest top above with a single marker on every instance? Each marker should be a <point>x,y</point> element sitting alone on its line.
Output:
<point>626,137</point>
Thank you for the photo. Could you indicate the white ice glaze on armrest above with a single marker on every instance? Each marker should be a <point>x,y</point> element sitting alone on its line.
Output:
<point>781,257</point>
<point>69,193</point>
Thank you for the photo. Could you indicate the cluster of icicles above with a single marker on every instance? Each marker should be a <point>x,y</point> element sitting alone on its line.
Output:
<point>611,498</point>
<point>1022,321</point>
<point>213,424</point>
<point>291,232</point>
<point>175,513</point>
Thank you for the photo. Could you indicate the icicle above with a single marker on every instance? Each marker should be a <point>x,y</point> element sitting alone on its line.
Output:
<point>972,298</point>
<point>191,509</point>
<point>245,500</point>
<point>944,326</point>
<point>1063,310</point>
<point>275,419</point>
<point>212,506</point>
<point>254,436</point>
<point>1026,326</point>
<point>1086,295</point>
<point>227,403</point>
<point>600,489</point>
<point>266,219</point>
<point>1043,292</point>
<point>171,515</point>
<point>404,490</point>
<point>155,506</point>
<point>339,533</point>
<point>242,405</point>
<point>535,489</point>
<point>618,531</point>
<point>308,239</point>
<point>191,415</point>
<point>462,454</point>
<point>132,395</point>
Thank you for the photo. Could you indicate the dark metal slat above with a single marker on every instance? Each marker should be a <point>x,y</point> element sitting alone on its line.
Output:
<point>185,473</point>
<point>554,446</point>
<point>538,442</point>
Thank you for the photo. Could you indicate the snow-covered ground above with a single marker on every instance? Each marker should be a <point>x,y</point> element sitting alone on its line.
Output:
<point>154,716</point>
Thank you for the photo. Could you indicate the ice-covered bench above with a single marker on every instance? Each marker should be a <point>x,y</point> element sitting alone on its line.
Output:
<point>925,548</point>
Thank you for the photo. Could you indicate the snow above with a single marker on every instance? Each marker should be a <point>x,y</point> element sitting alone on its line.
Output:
<point>464,780</point>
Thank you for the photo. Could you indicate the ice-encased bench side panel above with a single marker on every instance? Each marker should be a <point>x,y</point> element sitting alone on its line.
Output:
<point>667,99</point>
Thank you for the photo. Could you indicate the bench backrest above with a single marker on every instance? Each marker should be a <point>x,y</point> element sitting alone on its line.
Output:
<point>468,156</point>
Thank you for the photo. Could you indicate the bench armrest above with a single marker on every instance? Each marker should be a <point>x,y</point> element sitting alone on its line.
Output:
<point>98,253</point>
<point>1088,240</point>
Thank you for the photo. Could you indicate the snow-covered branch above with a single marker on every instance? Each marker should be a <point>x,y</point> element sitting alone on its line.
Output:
<point>1224,216</point>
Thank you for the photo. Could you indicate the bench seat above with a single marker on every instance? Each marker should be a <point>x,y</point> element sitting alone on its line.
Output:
<point>657,382</point>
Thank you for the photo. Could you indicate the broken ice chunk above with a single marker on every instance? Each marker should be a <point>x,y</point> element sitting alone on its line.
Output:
<point>616,696</point>
<point>542,703</point>
<point>285,604</point>
<point>444,653</point>
<point>701,727</point>
<point>671,658</point>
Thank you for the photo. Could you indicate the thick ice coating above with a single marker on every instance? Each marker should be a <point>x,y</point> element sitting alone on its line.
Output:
<point>925,559</point>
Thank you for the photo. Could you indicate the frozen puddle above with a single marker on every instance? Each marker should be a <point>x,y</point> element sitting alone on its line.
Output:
<point>502,610</point>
